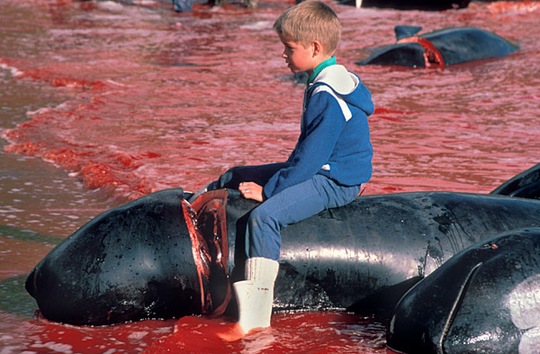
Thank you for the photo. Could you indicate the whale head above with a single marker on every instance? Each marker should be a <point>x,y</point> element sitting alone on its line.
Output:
<point>145,259</point>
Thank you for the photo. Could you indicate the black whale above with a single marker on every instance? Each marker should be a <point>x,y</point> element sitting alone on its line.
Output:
<point>161,256</point>
<point>439,48</point>
<point>485,299</point>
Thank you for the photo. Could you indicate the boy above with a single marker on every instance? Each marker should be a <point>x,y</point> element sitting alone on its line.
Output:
<point>332,157</point>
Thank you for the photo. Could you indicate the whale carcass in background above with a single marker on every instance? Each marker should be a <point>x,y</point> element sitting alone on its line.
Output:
<point>439,48</point>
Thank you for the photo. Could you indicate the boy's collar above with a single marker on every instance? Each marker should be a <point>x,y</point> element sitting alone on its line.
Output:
<point>320,67</point>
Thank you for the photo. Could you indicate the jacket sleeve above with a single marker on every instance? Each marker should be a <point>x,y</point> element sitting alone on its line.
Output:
<point>323,124</point>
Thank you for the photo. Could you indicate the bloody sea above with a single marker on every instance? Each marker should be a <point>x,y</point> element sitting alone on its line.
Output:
<point>102,102</point>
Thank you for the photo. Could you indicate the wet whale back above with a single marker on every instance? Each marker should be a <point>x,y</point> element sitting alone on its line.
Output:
<point>459,45</point>
<point>403,54</point>
<point>342,256</point>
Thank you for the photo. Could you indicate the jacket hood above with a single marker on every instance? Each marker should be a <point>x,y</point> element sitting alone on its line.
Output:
<point>348,86</point>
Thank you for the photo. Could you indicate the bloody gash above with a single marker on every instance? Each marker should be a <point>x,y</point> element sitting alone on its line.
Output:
<point>166,255</point>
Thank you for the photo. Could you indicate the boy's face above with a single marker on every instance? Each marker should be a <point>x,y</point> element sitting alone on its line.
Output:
<point>299,58</point>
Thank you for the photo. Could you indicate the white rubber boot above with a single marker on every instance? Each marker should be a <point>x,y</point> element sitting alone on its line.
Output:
<point>255,295</point>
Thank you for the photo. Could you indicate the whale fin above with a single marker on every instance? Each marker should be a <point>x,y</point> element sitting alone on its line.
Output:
<point>406,31</point>
<point>523,185</point>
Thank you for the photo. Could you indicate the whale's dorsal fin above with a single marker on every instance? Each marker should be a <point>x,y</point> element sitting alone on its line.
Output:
<point>406,31</point>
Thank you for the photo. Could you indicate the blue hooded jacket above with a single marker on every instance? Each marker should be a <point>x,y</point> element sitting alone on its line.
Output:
<point>334,138</point>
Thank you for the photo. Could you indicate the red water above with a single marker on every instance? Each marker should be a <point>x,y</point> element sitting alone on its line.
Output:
<point>133,99</point>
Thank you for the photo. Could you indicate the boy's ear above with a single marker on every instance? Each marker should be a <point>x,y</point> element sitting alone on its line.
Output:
<point>317,48</point>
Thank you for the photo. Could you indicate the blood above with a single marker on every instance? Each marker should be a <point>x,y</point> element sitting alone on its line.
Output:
<point>314,332</point>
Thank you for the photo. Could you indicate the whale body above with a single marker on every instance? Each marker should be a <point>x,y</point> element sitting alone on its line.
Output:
<point>162,256</point>
<point>439,48</point>
<point>485,299</point>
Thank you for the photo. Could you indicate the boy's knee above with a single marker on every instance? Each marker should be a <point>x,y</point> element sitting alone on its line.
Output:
<point>262,219</point>
<point>258,216</point>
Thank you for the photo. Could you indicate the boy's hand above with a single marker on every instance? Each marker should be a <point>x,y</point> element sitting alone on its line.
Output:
<point>251,190</point>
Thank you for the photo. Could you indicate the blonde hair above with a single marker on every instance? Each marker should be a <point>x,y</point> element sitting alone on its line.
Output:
<point>308,21</point>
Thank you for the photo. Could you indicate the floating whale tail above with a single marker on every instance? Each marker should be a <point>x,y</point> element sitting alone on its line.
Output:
<point>523,185</point>
<point>406,31</point>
